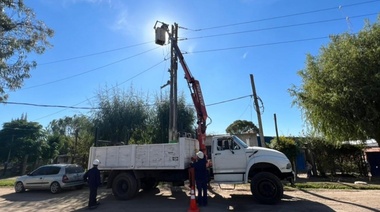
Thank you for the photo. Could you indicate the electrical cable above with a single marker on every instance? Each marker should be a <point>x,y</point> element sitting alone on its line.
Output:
<point>91,70</point>
<point>278,27</point>
<point>209,36</point>
<point>96,108</point>
<point>44,105</point>
<point>93,54</point>
<point>283,16</point>
<point>229,100</point>
<point>203,51</point>
<point>203,29</point>
<point>73,106</point>
<point>257,45</point>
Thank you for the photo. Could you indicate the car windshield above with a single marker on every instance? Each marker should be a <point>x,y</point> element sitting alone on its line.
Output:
<point>240,142</point>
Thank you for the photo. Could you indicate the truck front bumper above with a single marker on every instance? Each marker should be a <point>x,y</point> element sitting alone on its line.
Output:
<point>289,176</point>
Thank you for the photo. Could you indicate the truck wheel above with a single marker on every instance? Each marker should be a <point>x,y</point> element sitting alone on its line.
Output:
<point>125,186</point>
<point>148,184</point>
<point>266,188</point>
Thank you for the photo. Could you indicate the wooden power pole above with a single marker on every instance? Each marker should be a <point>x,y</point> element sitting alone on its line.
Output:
<point>261,131</point>
<point>173,111</point>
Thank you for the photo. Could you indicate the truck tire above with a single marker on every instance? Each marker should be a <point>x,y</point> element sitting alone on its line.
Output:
<point>125,186</point>
<point>266,188</point>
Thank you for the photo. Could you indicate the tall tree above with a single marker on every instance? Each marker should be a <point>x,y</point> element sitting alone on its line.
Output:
<point>242,126</point>
<point>185,120</point>
<point>22,140</point>
<point>71,135</point>
<point>20,33</point>
<point>122,116</point>
<point>339,94</point>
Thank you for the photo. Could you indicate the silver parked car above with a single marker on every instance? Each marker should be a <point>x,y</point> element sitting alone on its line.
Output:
<point>53,177</point>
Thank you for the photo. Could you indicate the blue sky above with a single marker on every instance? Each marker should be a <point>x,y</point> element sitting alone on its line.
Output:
<point>100,43</point>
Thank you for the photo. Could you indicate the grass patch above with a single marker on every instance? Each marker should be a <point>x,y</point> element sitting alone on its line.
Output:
<point>332,185</point>
<point>7,182</point>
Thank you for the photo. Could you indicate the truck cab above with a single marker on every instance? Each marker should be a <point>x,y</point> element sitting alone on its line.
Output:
<point>234,162</point>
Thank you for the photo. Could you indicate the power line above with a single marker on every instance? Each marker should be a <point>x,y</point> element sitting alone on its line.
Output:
<point>97,108</point>
<point>93,54</point>
<point>216,35</point>
<point>229,100</point>
<point>203,51</point>
<point>204,29</point>
<point>279,27</point>
<point>283,16</point>
<point>74,106</point>
<point>258,45</point>
<point>44,105</point>
<point>214,27</point>
<point>91,70</point>
<point>208,36</point>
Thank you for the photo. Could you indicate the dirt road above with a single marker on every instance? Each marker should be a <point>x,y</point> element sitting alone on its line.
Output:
<point>167,198</point>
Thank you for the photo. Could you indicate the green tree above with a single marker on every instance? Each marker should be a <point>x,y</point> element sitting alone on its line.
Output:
<point>242,126</point>
<point>72,136</point>
<point>20,33</point>
<point>339,94</point>
<point>288,146</point>
<point>54,142</point>
<point>23,141</point>
<point>160,123</point>
<point>122,117</point>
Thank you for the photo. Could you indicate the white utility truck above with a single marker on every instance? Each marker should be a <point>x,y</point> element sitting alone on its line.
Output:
<point>129,168</point>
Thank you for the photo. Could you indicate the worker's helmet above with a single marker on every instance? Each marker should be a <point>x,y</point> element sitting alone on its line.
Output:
<point>200,155</point>
<point>96,162</point>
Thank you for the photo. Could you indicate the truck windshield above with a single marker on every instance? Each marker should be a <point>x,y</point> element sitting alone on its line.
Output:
<point>240,142</point>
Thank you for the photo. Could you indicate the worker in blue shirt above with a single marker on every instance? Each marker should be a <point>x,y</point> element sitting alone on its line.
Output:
<point>92,177</point>
<point>201,177</point>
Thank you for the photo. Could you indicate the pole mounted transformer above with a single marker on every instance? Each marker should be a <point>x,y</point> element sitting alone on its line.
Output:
<point>161,33</point>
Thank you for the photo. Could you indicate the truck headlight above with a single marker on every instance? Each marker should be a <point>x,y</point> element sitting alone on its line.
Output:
<point>288,166</point>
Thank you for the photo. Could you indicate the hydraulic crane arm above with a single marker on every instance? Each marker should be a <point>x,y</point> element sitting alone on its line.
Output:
<point>197,96</point>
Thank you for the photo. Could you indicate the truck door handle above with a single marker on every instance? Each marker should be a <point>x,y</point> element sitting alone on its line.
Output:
<point>217,153</point>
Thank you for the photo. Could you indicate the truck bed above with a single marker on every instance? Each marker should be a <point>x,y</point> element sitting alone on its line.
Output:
<point>168,156</point>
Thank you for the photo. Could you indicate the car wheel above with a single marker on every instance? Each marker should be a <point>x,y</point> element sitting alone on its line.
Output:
<point>266,188</point>
<point>55,188</point>
<point>19,187</point>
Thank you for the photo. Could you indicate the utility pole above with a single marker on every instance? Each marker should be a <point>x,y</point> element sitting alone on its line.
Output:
<point>261,132</point>
<point>173,111</point>
<point>275,124</point>
<point>75,145</point>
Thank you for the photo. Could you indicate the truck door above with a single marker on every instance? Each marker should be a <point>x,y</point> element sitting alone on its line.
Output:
<point>229,161</point>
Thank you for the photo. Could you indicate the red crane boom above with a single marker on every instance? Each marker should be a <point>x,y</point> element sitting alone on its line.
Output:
<point>197,96</point>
